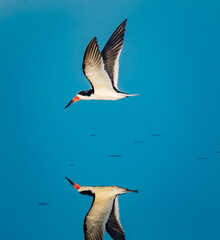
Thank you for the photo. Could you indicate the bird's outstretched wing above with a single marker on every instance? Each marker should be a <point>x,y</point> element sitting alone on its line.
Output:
<point>94,232</point>
<point>113,226</point>
<point>111,53</point>
<point>93,68</point>
<point>95,220</point>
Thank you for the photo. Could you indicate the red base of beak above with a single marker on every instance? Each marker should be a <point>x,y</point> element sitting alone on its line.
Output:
<point>75,99</point>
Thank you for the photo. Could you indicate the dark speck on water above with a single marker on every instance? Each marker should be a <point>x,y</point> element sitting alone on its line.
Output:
<point>217,151</point>
<point>72,165</point>
<point>42,204</point>
<point>138,141</point>
<point>155,135</point>
<point>203,158</point>
<point>92,135</point>
<point>115,155</point>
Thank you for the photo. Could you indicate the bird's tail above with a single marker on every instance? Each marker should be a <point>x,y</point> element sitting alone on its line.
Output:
<point>132,95</point>
<point>136,191</point>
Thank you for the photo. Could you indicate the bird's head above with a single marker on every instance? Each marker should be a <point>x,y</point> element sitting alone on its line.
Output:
<point>83,95</point>
<point>75,99</point>
<point>82,189</point>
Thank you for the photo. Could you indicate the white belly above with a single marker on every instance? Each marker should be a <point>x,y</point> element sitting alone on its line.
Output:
<point>108,96</point>
<point>105,95</point>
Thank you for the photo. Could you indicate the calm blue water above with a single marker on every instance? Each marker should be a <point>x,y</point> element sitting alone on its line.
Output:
<point>170,56</point>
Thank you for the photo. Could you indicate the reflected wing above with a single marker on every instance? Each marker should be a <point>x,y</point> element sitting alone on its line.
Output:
<point>111,53</point>
<point>93,68</point>
<point>95,220</point>
<point>113,226</point>
<point>94,232</point>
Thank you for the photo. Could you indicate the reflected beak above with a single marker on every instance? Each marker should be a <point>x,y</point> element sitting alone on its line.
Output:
<point>75,99</point>
<point>75,185</point>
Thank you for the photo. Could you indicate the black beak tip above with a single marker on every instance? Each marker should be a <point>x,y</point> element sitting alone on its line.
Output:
<point>69,103</point>
<point>71,182</point>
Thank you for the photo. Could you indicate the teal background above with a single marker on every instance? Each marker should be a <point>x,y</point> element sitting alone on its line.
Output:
<point>171,57</point>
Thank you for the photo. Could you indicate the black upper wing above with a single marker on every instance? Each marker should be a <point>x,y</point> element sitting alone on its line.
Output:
<point>111,53</point>
<point>93,68</point>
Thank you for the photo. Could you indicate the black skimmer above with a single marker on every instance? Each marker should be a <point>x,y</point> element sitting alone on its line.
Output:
<point>104,212</point>
<point>101,69</point>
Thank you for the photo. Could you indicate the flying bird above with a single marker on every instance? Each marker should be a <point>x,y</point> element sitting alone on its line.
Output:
<point>104,212</point>
<point>101,69</point>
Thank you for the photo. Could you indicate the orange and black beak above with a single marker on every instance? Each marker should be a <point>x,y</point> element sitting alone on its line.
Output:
<point>75,185</point>
<point>75,99</point>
